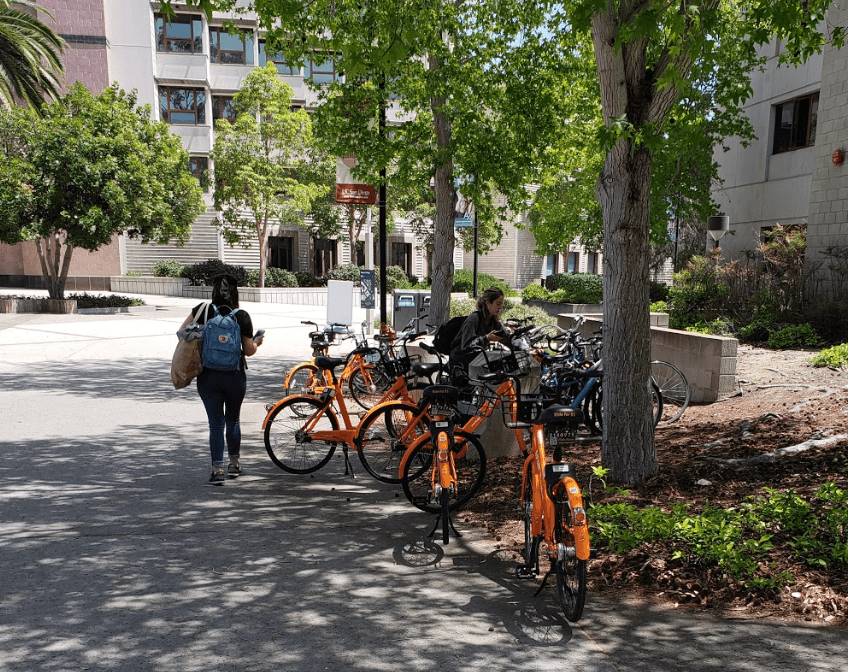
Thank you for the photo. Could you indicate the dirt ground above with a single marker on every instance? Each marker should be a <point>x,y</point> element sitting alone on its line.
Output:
<point>781,400</point>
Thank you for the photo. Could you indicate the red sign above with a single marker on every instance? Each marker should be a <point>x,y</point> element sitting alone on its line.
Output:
<point>356,193</point>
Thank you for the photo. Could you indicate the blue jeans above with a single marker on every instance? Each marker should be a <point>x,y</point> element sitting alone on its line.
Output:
<point>222,393</point>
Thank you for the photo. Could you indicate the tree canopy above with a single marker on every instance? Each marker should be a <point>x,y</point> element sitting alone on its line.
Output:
<point>257,159</point>
<point>30,56</point>
<point>92,167</point>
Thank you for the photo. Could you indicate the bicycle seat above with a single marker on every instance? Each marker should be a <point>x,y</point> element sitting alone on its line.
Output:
<point>559,416</point>
<point>425,370</point>
<point>328,363</point>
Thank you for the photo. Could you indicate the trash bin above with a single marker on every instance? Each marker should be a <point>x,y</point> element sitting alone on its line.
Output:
<point>410,305</point>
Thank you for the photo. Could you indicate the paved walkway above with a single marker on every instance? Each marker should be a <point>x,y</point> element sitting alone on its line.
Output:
<point>116,555</point>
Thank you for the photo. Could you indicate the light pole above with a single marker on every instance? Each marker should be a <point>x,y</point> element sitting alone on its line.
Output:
<point>717,227</point>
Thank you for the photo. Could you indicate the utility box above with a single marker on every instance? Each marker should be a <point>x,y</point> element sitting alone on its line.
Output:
<point>409,305</point>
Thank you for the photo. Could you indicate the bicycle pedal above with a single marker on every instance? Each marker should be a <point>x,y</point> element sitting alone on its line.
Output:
<point>523,572</point>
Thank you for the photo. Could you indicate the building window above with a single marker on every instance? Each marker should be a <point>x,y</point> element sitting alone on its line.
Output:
<point>322,70</point>
<point>281,249</point>
<point>183,35</point>
<point>573,262</point>
<point>182,106</point>
<point>325,256</point>
<point>222,108</point>
<point>552,264</point>
<point>277,59</point>
<point>795,124</point>
<point>199,167</point>
<point>236,49</point>
<point>402,256</point>
<point>591,261</point>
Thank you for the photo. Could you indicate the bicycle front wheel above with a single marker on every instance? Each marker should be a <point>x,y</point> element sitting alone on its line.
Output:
<point>470,463</point>
<point>674,389</point>
<point>594,405</point>
<point>300,379</point>
<point>570,571</point>
<point>367,385</point>
<point>384,436</point>
<point>289,435</point>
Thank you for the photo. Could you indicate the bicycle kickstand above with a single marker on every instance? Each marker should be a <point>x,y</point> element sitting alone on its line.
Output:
<point>348,466</point>
<point>449,523</point>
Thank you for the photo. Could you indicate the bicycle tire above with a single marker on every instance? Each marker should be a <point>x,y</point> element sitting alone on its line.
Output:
<point>470,463</point>
<point>444,503</point>
<point>674,388</point>
<point>368,392</point>
<point>380,450</point>
<point>288,447</point>
<point>569,569</point>
<point>595,405</point>
<point>300,378</point>
<point>530,547</point>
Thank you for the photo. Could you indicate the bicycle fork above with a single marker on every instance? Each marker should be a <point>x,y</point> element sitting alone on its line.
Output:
<point>444,478</point>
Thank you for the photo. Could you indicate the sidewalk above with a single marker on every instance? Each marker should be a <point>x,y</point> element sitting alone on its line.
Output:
<point>116,555</point>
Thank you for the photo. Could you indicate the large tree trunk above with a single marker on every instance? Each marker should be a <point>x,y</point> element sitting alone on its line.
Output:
<point>443,238</point>
<point>54,264</point>
<point>262,236</point>
<point>628,449</point>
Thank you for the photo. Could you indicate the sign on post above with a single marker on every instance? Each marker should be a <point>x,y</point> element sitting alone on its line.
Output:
<point>367,282</point>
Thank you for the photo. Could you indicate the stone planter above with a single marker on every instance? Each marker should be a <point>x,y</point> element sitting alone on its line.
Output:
<point>148,285</point>
<point>59,306</point>
<point>555,309</point>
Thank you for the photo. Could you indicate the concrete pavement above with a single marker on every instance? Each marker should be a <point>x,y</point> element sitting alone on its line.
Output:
<point>116,555</point>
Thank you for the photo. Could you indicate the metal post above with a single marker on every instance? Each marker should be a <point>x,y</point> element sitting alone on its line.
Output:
<point>476,232</point>
<point>382,213</point>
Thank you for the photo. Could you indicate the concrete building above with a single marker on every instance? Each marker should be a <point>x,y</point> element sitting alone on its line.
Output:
<point>792,174</point>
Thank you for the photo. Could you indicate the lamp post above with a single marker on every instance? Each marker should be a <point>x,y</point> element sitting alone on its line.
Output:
<point>717,227</point>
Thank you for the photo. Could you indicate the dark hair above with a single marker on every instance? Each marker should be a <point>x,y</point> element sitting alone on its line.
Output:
<point>225,291</point>
<point>489,295</point>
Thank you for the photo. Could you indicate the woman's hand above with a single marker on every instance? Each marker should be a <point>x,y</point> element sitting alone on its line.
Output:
<point>493,337</point>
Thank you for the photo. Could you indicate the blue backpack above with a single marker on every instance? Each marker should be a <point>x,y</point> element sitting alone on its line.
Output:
<point>221,342</point>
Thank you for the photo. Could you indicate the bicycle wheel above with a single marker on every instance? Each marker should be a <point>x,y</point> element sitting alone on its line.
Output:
<point>530,546</point>
<point>367,385</point>
<point>444,505</point>
<point>469,460</point>
<point>570,571</point>
<point>594,404</point>
<point>288,437</point>
<point>384,436</point>
<point>300,378</point>
<point>674,389</point>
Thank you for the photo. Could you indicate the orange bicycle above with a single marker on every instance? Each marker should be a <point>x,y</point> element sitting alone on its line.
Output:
<point>552,504</point>
<point>302,431</point>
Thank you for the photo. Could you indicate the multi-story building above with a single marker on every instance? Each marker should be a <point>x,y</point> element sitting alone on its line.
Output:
<point>188,70</point>
<point>793,173</point>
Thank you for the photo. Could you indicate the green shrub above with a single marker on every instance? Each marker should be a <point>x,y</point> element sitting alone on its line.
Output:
<point>716,327</point>
<point>837,357</point>
<point>794,336</point>
<point>659,307</point>
<point>396,278</point>
<point>112,301</point>
<point>658,291</point>
<point>463,281</point>
<point>462,307</point>
<point>203,273</point>
<point>274,277</point>
<point>534,292</point>
<point>309,280</point>
<point>699,294</point>
<point>168,268</point>
<point>345,273</point>
<point>516,311</point>
<point>575,287</point>
<point>756,332</point>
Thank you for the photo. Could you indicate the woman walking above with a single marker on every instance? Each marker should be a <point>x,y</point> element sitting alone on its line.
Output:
<point>221,386</point>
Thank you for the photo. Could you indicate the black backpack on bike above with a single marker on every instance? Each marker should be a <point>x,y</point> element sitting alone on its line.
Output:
<point>446,334</point>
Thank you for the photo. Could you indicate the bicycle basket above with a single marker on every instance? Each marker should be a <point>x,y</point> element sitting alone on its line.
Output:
<point>476,401</point>
<point>513,363</point>
<point>402,365</point>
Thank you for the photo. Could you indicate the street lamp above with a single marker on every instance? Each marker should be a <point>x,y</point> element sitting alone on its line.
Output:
<point>717,227</point>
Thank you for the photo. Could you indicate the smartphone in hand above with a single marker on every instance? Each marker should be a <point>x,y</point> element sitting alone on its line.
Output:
<point>258,334</point>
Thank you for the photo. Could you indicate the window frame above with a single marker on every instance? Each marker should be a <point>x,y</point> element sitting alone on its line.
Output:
<point>195,41</point>
<point>278,61</point>
<point>199,110</point>
<point>334,75</point>
<point>279,252</point>
<point>215,49</point>
<point>779,131</point>
<point>218,101</point>
<point>198,166</point>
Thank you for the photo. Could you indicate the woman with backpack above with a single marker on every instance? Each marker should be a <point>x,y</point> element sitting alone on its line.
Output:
<point>228,338</point>
<point>479,329</point>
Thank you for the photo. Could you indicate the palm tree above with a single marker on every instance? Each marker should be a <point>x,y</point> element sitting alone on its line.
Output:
<point>30,56</point>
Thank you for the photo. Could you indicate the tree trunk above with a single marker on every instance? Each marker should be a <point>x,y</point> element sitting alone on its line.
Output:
<point>443,234</point>
<point>262,235</point>
<point>628,449</point>
<point>54,264</point>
